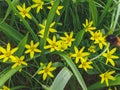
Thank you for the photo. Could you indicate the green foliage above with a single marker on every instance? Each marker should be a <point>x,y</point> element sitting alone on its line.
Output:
<point>19,31</point>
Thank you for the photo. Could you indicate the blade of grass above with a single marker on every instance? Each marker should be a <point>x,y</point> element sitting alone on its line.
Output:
<point>21,46</point>
<point>8,75</point>
<point>14,2</point>
<point>49,20</point>
<point>105,11</point>
<point>78,39</point>
<point>75,70</point>
<point>10,31</point>
<point>94,12</point>
<point>61,80</point>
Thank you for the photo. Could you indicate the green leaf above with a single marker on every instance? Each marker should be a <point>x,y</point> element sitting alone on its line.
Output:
<point>14,2</point>
<point>78,39</point>
<point>50,17</point>
<point>61,80</point>
<point>10,31</point>
<point>105,11</point>
<point>75,70</point>
<point>93,10</point>
<point>8,75</point>
<point>21,46</point>
<point>98,85</point>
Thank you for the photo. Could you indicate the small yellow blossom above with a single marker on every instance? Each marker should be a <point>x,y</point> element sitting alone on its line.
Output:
<point>79,54</point>
<point>32,48</point>
<point>8,53</point>
<point>51,29</point>
<point>62,45</point>
<point>5,88</point>
<point>47,70</point>
<point>19,61</point>
<point>53,44</point>
<point>92,49</point>
<point>98,39</point>
<point>85,64</point>
<point>68,39</point>
<point>106,76</point>
<point>57,10</point>
<point>109,55</point>
<point>88,26</point>
<point>24,12</point>
<point>38,4</point>
<point>95,35</point>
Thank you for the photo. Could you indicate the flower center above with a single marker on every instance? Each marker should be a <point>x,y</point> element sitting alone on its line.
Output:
<point>8,54</point>
<point>46,70</point>
<point>32,48</point>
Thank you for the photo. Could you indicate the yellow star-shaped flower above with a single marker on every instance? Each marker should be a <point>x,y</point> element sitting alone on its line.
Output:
<point>19,61</point>
<point>88,26</point>
<point>47,70</point>
<point>8,53</point>
<point>32,48</point>
<point>38,4</point>
<point>85,64</point>
<point>51,29</point>
<point>68,38</point>
<point>109,55</point>
<point>79,54</point>
<point>57,10</point>
<point>106,76</point>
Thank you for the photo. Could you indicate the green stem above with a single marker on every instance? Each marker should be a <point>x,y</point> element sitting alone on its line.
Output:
<point>100,53</point>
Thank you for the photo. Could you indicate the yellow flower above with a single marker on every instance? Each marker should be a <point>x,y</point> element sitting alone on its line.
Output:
<point>85,64</point>
<point>88,26</point>
<point>24,12</point>
<point>110,57</point>
<point>79,54</point>
<point>19,61</point>
<point>95,35</point>
<point>98,39</point>
<point>41,32</point>
<point>106,76</point>
<point>53,44</point>
<point>92,49</point>
<point>47,71</point>
<point>38,4</point>
<point>57,10</point>
<point>62,45</point>
<point>32,48</point>
<point>68,39</point>
<point>8,53</point>
<point>5,88</point>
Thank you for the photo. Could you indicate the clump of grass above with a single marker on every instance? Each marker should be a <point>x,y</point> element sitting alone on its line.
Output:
<point>57,45</point>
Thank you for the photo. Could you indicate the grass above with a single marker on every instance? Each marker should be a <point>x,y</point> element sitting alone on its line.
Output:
<point>19,31</point>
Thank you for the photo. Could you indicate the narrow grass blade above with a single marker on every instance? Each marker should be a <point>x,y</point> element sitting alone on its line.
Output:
<point>78,39</point>
<point>10,31</point>
<point>21,46</point>
<point>61,80</point>
<point>14,2</point>
<point>8,75</point>
<point>49,20</point>
<point>93,10</point>
<point>105,11</point>
<point>75,70</point>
